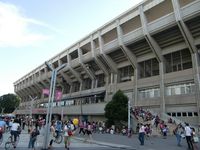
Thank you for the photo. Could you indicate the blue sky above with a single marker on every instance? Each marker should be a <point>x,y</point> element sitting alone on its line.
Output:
<point>33,31</point>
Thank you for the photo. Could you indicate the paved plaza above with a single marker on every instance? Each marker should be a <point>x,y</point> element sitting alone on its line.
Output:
<point>105,142</point>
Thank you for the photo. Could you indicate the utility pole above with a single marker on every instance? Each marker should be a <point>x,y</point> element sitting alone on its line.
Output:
<point>50,102</point>
<point>129,119</point>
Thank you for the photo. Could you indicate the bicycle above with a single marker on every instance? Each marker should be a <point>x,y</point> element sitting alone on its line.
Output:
<point>11,143</point>
<point>58,138</point>
<point>1,135</point>
<point>1,139</point>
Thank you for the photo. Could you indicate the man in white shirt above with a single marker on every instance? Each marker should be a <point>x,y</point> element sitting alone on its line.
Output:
<point>188,135</point>
<point>15,130</point>
<point>141,134</point>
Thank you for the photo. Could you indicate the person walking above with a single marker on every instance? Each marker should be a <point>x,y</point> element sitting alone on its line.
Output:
<point>58,128</point>
<point>2,127</point>
<point>141,134</point>
<point>195,139</point>
<point>52,134</point>
<point>89,132</point>
<point>67,134</point>
<point>178,132</point>
<point>164,131</point>
<point>81,128</point>
<point>188,135</point>
<point>15,130</point>
<point>34,132</point>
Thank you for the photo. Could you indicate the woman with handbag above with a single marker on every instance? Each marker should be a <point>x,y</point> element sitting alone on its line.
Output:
<point>179,132</point>
<point>195,139</point>
<point>67,134</point>
<point>34,132</point>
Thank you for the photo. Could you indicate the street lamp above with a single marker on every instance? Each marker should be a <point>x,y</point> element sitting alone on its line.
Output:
<point>81,117</point>
<point>129,118</point>
<point>50,101</point>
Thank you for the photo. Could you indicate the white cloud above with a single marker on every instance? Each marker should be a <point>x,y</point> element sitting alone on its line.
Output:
<point>14,27</point>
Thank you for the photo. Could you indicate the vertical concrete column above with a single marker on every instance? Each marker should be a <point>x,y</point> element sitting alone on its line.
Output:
<point>162,87</point>
<point>98,62</point>
<point>129,55</point>
<point>135,86</point>
<point>157,52</point>
<point>195,62</point>
<point>74,72</point>
<point>112,65</point>
<point>189,40</point>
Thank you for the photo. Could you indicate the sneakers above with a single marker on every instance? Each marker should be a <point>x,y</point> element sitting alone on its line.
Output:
<point>67,148</point>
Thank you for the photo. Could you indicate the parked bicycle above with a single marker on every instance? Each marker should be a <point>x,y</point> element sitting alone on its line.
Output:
<point>11,143</point>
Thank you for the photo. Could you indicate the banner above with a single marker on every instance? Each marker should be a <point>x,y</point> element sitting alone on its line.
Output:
<point>45,92</point>
<point>58,94</point>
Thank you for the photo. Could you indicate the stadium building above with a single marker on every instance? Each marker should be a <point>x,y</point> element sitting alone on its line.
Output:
<point>151,52</point>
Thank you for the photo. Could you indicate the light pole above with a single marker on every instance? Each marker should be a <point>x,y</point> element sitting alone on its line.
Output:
<point>50,102</point>
<point>129,119</point>
<point>81,117</point>
<point>31,109</point>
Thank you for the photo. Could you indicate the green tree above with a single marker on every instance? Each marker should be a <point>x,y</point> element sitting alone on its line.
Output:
<point>117,109</point>
<point>8,103</point>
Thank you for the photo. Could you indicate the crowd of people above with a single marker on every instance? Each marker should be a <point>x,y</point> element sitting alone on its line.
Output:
<point>181,131</point>
<point>86,129</point>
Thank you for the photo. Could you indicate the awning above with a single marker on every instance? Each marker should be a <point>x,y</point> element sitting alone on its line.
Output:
<point>98,94</point>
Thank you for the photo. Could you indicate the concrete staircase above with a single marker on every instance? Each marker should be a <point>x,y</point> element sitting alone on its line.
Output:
<point>156,131</point>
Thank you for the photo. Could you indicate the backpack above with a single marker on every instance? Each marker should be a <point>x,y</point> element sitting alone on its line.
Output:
<point>175,131</point>
<point>35,133</point>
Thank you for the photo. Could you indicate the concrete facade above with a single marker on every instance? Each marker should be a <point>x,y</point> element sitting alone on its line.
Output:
<point>151,52</point>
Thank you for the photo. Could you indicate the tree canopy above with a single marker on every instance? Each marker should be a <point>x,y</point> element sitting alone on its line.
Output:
<point>8,103</point>
<point>117,109</point>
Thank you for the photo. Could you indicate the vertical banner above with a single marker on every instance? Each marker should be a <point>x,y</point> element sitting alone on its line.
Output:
<point>45,92</point>
<point>58,95</point>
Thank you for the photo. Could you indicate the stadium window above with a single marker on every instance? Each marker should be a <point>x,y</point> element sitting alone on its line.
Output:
<point>173,114</point>
<point>178,60</point>
<point>187,88</point>
<point>168,63</point>
<point>190,114</point>
<point>155,67</point>
<point>149,68</point>
<point>141,69</point>
<point>126,73</point>
<point>186,59</point>
<point>169,114</point>
<point>184,114</point>
<point>149,93</point>
<point>195,114</point>
<point>178,114</point>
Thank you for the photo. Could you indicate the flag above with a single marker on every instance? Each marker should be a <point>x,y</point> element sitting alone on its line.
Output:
<point>58,95</point>
<point>45,91</point>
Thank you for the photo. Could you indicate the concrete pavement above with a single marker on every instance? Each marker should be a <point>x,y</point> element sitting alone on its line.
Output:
<point>76,142</point>
<point>106,141</point>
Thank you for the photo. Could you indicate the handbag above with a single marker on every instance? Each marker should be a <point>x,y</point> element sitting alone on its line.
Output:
<point>196,139</point>
<point>183,135</point>
<point>70,133</point>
